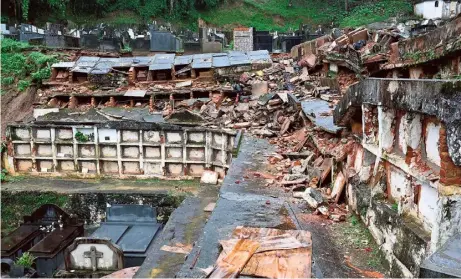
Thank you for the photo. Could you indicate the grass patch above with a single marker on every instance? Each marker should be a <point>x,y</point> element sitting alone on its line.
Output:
<point>370,12</point>
<point>17,204</point>
<point>354,238</point>
<point>276,15</point>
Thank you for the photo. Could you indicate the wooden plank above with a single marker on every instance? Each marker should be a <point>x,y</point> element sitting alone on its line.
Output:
<point>338,186</point>
<point>232,264</point>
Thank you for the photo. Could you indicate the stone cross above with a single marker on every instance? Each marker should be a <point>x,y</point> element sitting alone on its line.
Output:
<point>93,254</point>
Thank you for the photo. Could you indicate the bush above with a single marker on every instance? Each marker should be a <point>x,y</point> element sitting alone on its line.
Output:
<point>26,260</point>
<point>3,174</point>
<point>23,85</point>
<point>10,45</point>
<point>16,65</point>
<point>7,80</point>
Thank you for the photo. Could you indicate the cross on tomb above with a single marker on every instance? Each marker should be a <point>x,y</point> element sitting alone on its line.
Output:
<point>93,254</point>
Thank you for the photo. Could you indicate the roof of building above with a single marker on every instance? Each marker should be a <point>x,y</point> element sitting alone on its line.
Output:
<point>97,65</point>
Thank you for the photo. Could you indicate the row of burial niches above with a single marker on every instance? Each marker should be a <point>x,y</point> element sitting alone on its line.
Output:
<point>52,242</point>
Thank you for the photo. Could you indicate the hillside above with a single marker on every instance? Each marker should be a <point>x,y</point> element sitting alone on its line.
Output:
<point>277,15</point>
<point>280,15</point>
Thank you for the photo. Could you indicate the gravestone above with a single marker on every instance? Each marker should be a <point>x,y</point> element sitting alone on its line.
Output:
<point>131,227</point>
<point>45,234</point>
<point>89,257</point>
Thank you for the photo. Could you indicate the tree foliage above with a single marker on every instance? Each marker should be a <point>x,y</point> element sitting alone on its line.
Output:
<point>145,9</point>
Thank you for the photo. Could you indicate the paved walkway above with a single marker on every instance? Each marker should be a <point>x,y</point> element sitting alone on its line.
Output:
<point>244,200</point>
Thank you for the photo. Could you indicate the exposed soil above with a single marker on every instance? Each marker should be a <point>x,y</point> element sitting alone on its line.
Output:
<point>17,106</point>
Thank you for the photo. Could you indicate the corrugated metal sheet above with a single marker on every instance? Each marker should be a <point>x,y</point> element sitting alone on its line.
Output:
<point>100,71</point>
<point>162,62</point>
<point>142,61</point>
<point>63,65</point>
<point>82,69</point>
<point>221,61</point>
<point>183,60</point>
<point>259,56</point>
<point>86,64</point>
<point>123,62</point>
<point>135,93</point>
<point>238,58</point>
<point>202,61</point>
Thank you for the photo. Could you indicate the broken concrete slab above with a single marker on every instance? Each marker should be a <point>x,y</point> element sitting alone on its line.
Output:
<point>184,84</point>
<point>313,197</point>
<point>209,177</point>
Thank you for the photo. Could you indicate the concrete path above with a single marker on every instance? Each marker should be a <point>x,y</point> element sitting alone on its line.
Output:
<point>247,202</point>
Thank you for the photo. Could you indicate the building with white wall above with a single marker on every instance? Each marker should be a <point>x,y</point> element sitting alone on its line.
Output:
<point>437,9</point>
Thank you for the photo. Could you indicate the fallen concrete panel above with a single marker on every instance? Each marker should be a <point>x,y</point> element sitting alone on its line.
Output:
<point>319,112</point>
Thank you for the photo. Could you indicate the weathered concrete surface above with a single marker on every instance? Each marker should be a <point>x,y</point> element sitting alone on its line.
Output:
<point>70,186</point>
<point>445,262</point>
<point>184,227</point>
